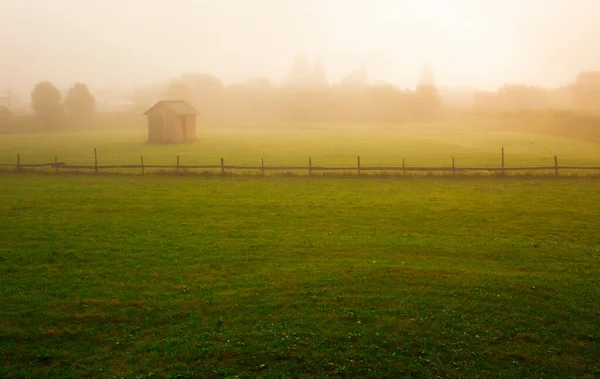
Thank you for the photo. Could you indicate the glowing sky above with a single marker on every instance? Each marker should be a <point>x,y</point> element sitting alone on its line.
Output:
<point>480,43</point>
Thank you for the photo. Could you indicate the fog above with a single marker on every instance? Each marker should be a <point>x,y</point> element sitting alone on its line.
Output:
<point>467,43</point>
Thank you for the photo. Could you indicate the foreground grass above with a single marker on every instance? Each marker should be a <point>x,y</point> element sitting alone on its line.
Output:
<point>216,277</point>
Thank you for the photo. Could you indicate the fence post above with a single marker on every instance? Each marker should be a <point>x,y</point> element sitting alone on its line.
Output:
<point>56,164</point>
<point>142,162</point>
<point>18,161</point>
<point>403,168</point>
<point>503,161</point>
<point>555,165</point>
<point>309,166</point>
<point>178,164</point>
<point>222,166</point>
<point>95,161</point>
<point>453,168</point>
<point>262,167</point>
<point>358,160</point>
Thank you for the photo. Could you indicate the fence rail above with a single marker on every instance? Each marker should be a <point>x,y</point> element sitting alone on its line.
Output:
<point>60,166</point>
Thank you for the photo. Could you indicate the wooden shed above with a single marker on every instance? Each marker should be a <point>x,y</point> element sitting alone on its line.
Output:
<point>171,121</point>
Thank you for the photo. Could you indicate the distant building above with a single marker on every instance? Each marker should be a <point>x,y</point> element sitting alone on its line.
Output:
<point>171,122</point>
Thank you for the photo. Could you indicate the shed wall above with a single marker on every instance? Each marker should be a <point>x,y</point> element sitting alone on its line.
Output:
<point>164,125</point>
<point>190,127</point>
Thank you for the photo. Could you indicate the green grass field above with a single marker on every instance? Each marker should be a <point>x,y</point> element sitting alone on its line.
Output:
<point>164,276</point>
<point>378,145</point>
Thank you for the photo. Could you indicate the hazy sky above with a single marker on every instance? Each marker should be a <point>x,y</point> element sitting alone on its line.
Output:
<point>481,43</point>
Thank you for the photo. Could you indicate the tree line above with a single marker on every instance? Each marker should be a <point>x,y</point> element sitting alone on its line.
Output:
<point>306,96</point>
<point>582,95</point>
<point>55,113</point>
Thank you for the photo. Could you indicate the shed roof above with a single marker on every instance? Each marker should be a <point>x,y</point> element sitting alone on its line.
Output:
<point>179,107</point>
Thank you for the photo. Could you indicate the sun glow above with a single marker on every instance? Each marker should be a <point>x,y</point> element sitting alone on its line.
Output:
<point>444,15</point>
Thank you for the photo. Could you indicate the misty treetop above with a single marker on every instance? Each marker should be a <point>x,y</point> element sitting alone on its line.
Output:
<point>46,103</point>
<point>80,103</point>
<point>306,95</point>
<point>54,113</point>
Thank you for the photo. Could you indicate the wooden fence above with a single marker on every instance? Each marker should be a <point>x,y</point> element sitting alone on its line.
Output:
<point>453,169</point>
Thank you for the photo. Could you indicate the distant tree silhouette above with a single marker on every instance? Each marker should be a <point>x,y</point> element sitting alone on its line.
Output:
<point>46,103</point>
<point>318,77</point>
<point>356,79</point>
<point>586,91</point>
<point>80,103</point>
<point>204,91</point>
<point>426,98</point>
<point>259,83</point>
<point>426,76</point>
<point>177,90</point>
<point>519,96</point>
<point>202,85</point>
<point>387,102</point>
<point>354,99</point>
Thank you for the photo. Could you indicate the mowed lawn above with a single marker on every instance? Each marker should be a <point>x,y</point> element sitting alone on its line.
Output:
<point>166,276</point>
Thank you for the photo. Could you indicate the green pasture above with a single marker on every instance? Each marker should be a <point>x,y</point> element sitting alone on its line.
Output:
<point>378,145</point>
<point>168,276</point>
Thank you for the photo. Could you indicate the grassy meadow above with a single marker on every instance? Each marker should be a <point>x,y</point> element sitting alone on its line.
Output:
<point>168,276</point>
<point>240,276</point>
<point>378,145</point>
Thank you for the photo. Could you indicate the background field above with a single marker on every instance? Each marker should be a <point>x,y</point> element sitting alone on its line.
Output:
<point>327,144</point>
<point>213,277</point>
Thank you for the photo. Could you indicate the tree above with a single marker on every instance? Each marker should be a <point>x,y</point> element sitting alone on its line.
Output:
<point>46,103</point>
<point>586,90</point>
<point>427,99</point>
<point>178,90</point>
<point>318,78</point>
<point>80,103</point>
<point>206,92</point>
<point>519,96</point>
<point>426,77</point>
<point>259,84</point>
<point>357,79</point>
